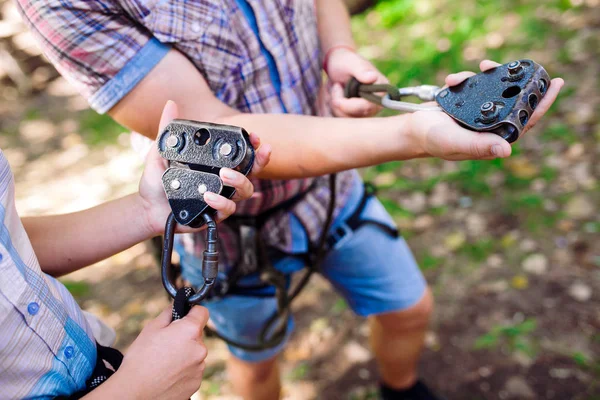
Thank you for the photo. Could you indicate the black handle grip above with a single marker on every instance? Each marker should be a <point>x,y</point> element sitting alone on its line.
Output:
<point>352,88</point>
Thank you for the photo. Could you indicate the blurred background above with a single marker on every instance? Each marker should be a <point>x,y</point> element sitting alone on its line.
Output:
<point>510,247</point>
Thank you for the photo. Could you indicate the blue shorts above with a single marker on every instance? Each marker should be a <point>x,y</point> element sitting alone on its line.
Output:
<point>373,271</point>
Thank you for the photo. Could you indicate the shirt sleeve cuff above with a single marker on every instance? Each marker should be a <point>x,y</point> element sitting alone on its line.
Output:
<point>129,76</point>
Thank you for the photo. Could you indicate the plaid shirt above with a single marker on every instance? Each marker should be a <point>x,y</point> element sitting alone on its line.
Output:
<point>47,348</point>
<point>258,56</point>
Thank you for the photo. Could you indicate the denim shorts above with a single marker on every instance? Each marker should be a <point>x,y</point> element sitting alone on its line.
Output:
<point>372,270</point>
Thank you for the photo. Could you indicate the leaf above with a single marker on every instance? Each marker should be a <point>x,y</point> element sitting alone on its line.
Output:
<point>486,341</point>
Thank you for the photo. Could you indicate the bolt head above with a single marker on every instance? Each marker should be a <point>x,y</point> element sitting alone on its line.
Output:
<point>172,141</point>
<point>202,188</point>
<point>514,67</point>
<point>225,149</point>
<point>175,184</point>
<point>488,108</point>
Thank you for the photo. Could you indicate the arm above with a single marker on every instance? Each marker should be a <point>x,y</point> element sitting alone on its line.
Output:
<point>300,147</point>
<point>87,236</point>
<point>305,146</point>
<point>333,22</point>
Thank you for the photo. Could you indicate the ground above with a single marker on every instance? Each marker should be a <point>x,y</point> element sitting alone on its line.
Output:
<point>510,247</point>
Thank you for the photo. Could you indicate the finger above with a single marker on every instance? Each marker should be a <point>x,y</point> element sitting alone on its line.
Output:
<point>488,64</point>
<point>199,316</point>
<point>224,207</point>
<point>555,86</point>
<point>254,140</point>
<point>262,154</point>
<point>455,79</point>
<point>169,113</point>
<point>363,71</point>
<point>243,187</point>
<point>484,145</point>
<point>162,320</point>
<point>354,107</point>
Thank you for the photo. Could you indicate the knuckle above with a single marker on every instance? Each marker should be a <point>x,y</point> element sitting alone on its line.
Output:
<point>475,150</point>
<point>202,352</point>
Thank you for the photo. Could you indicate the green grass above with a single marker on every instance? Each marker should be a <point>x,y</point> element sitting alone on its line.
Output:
<point>517,337</point>
<point>77,289</point>
<point>99,129</point>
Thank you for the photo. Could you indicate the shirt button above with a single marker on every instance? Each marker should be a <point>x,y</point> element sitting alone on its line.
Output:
<point>196,27</point>
<point>33,308</point>
<point>69,351</point>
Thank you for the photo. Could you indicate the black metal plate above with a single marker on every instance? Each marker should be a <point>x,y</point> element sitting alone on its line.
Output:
<point>198,144</point>
<point>514,97</point>
<point>185,199</point>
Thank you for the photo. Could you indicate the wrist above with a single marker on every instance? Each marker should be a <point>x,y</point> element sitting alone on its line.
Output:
<point>414,136</point>
<point>333,49</point>
<point>147,220</point>
<point>119,385</point>
<point>403,141</point>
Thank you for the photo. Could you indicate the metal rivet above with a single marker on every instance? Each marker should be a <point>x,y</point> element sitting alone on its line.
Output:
<point>183,214</point>
<point>488,108</point>
<point>175,184</point>
<point>202,188</point>
<point>172,141</point>
<point>225,149</point>
<point>514,67</point>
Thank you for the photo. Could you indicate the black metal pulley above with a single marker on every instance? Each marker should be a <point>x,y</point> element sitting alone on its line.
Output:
<point>500,100</point>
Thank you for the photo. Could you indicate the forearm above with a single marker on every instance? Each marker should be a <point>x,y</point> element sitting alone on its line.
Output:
<point>87,236</point>
<point>333,22</point>
<point>307,146</point>
<point>303,146</point>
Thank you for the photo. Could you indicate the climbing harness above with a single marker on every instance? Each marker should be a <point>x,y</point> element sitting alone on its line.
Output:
<point>195,152</point>
<point>499,100</point>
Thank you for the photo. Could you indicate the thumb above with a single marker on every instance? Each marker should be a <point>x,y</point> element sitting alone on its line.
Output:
<point>163,320</point>
<point>169,113</point>
<point>364,71</point>
<point>485,145</point>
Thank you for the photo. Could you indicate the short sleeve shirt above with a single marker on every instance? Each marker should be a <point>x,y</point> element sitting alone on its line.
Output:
<point>257,56</point>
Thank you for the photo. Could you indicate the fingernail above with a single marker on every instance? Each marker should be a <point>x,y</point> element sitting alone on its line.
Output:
<point>212,197</point>
<point>229,174</point>
<point>496,150</point>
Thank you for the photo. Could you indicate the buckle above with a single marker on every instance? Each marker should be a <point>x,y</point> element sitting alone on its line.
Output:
<point>339,233</point>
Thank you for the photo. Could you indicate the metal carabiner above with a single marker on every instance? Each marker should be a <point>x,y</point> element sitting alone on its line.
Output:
<point>210,259</point>
<point>393,95</point>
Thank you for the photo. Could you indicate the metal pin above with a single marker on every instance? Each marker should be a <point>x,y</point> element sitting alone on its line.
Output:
<point>514,67</point>
<point>225,149</point>
<point>488,108</point>
<point>175,184</point>
<point>172,141</point>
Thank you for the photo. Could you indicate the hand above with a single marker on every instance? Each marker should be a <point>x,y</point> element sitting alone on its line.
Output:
<point>152,194</point>
<point>342,65</point>
<point>438,135</point>
<point>166,361</point>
